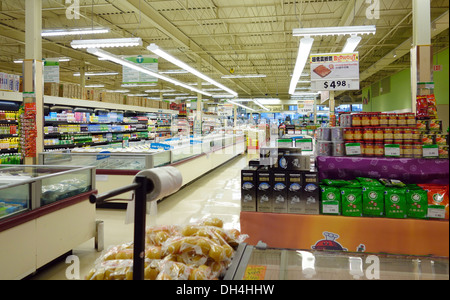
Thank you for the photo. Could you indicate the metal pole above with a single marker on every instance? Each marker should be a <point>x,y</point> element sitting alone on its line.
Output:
<point>140,211</point>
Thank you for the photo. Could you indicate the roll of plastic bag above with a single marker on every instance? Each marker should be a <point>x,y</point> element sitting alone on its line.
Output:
<point>166,181</point>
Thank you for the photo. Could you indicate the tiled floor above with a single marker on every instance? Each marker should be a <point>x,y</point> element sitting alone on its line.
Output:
<point>218,194</point>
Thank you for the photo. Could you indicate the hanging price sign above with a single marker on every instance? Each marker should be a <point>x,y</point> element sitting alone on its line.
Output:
<point>335,72</point>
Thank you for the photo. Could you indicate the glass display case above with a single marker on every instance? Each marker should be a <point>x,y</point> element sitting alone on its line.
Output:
<point>252,263</point>
<point>24,188</point>
<point>140,156</point>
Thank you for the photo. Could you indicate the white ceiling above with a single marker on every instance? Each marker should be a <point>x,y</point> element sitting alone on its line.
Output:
<point>251,37</point>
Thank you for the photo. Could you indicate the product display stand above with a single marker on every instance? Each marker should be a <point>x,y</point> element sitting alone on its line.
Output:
<point>142,186</point>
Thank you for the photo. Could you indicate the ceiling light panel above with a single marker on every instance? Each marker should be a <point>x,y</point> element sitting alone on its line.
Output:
<point>107,43</point>
<point>155,49</point>
<point>73,31</point>
<point>126,63</point>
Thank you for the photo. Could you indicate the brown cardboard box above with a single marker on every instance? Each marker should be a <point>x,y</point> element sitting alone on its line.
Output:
<point>51,89</point>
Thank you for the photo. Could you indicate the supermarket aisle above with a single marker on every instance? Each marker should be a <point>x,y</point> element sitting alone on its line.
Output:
<point>217,193</point>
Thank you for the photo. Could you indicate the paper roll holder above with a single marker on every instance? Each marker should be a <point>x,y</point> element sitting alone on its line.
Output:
<point>142,187</point>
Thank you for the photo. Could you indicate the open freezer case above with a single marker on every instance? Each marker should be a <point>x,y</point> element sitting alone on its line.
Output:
<point>260,263</point>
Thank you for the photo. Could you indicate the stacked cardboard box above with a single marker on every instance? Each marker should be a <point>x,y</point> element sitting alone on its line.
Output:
<point>281,181</point>
<point>74,91</point>
<point>70,90</point>
<point>10,82</point>
<point>51,89</point>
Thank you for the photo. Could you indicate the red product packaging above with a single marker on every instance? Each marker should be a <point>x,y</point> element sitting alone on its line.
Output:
<point>432,107</point>
<point>438,200</point>
<point>422,107</point>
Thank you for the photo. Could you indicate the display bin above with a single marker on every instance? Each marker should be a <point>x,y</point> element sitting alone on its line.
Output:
<point>353,234</point>
<point>377,235</point>
<point>41,220</point>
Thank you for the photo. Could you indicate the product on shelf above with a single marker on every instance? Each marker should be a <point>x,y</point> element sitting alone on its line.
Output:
<point>193,252</point>
<point>384,197</point>
<point>392,135</point>
<point>438,200</point>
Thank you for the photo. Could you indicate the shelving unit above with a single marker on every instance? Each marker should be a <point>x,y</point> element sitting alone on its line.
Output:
<point>148,124</point>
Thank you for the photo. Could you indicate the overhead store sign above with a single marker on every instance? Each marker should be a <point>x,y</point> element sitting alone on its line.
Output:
<point>305,107</point>
<point>131,76</point>
<point>51,70</point>
<point>334,71</point>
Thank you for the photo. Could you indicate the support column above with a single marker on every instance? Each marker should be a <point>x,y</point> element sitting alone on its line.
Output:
<point>332,109</point>
<point>33,84</point>
<point>421,52</point>
<point>83,78</point>
<point>198,119</point>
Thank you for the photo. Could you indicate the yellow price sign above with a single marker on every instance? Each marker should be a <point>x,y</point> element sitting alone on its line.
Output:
<point>254,272</point>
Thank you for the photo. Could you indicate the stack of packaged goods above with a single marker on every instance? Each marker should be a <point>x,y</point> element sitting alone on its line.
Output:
<point>193,252</point>
<point>330,141</point>
<point>384,198</point>
<point>394,135</point>
<point>281,181</point>
<point>434,139</point>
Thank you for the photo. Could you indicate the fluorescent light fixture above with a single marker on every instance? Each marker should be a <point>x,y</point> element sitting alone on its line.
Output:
<point>217,96</point>
<point>95,86</point>
<point>155,49</point>
<point>106,43</point>
<point>243,76</point>
<point>352,43</point>
<point>344,30</point>
<point>174,72</point>
<point>240,105</point>
<point>260,105</point>
<point>132,85</point>
<point>73,31</point>
<point>160,91</point>
<point>137,95</point>
<point>97,74</point>
<point>175,94</point>
<point>118,91</point>
<point>302,58</point>
<point>61,59</point>
<point>269,101</point>
<point>305,94</point>
<point>126,63</point>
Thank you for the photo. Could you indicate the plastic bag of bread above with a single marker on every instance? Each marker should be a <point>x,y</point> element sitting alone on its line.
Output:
<point>211,221</point>
<point>202,272</point>
<point>198,245</point>
<point>123,270</point>
<point>112,270</point>
<point>171,270</point>
<point>159,234</point>
<point>120,252</point>
<point>126,251</point>
<point>222,236</point>
<point>152,269</point>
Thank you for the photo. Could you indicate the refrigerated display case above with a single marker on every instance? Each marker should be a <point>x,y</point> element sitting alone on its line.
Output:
<point>194,157</point>
<point>260,263</point>
<point>40,209</point>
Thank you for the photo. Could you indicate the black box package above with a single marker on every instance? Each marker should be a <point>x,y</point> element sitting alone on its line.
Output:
<point>248,188</point>
<point>311,193</point>
<point>264,190</point>
<point>279,192</point>
<point>295,191</point>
